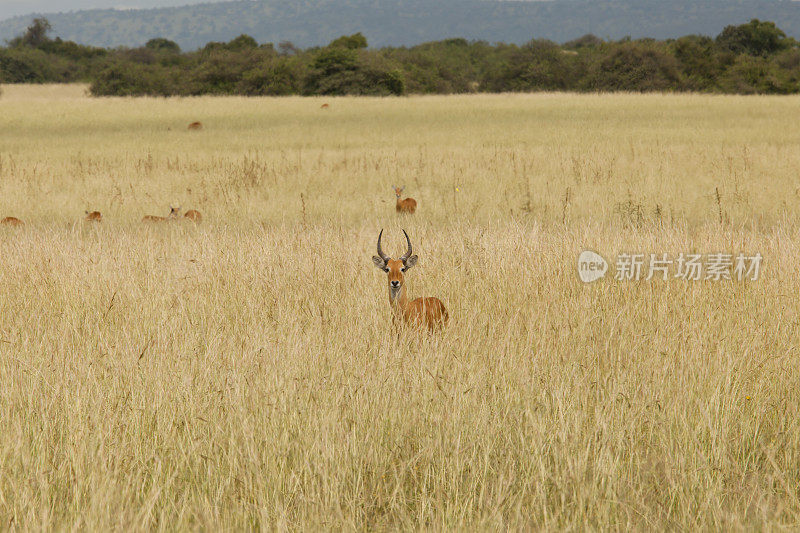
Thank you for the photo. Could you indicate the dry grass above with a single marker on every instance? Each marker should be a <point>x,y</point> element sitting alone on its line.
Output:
<point>242,373</point>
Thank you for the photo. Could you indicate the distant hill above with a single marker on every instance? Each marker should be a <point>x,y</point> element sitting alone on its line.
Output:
<point>407,22</point>
<point>13,8</point>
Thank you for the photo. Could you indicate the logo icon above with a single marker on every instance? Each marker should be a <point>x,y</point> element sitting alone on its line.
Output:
<point>591,266</point>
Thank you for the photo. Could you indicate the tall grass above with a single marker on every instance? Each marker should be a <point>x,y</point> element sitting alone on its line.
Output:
<point>242,373</point>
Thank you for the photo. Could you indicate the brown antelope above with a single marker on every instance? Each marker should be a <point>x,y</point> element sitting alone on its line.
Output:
<point>174,212</point>
<point>428,312</point>
<point>12,221</point>
<point>195,126</point>
<point>94,216</point>
<point>324,106</point>
<point>409,205</point>
<point>193,215</point>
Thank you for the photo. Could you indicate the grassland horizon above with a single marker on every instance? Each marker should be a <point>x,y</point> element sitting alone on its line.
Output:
<point>242,373</point>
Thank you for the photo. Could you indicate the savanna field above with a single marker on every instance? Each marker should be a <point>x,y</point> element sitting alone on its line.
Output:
<point>243,373</point>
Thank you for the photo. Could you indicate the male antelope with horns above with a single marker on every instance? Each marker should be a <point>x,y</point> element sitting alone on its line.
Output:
<point>428,311</point>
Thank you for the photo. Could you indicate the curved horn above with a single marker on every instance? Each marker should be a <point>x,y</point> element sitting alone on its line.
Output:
<point>380,250</point>
<point>406,255</point>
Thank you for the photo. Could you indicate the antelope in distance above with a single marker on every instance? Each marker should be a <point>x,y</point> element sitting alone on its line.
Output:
<point>174,212</point>
<point>12,221</point>
<point>409,205</point>
<point>193,215</point>
<point>325,106</point>
<point>422,312</point>
<point>195,126</point>
<point>93,216</point>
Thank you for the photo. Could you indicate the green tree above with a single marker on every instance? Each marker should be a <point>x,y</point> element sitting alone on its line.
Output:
<point>352,42</point>
<point>754,38</point>
<point>752,58</point>
<point>17,69</point>
<point>160,44</point>
<point>242,42</point>
<point>35,35</point>
<point>131,79</point>
<point>221,71</point>
<point>587,41</point>
<point>699,61</point>
<point>634,66</point>
<point>757,75</point>
<point>337,70</point>
<point>539,65</point>
<point>280,77</point>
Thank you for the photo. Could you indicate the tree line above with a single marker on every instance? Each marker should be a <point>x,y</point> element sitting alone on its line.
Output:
<point>752,58</point>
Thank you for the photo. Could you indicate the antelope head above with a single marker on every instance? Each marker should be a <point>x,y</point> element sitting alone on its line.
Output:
<point>395,267</point>
<point>398,191</point>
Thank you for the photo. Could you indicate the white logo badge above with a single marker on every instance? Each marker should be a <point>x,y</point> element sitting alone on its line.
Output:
<point>591,266</point>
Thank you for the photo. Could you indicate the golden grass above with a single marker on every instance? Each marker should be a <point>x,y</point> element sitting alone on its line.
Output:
<point>242,373</point>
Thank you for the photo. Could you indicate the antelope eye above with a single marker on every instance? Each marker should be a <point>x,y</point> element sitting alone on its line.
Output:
<point>403,269</point>
<point>386,270</point>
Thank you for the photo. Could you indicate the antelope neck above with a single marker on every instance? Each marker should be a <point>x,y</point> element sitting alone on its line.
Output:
<point>397,298</point>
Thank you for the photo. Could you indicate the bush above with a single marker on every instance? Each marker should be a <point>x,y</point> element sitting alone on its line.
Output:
<point>30,65</point>
<point>634,66</point>
<point>131,79</point>
<point>163,45</point>
<point>587,41</point>
<point>537,66</point>
<point>699,61</point>
<point>754,38</point>
<point>352,42</point>
<point>756,57</point>
<point>757,75</point>
<point>280,77</point>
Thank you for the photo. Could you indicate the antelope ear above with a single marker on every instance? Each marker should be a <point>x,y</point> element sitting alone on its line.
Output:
<point>380,263</point>
<point>411,261</point>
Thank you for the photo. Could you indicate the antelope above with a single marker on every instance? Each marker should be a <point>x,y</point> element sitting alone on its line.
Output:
<point>195,126</point>
<point>174,212</point>
<point>409,205</point>
<point>12,221</point>
<point>324,106</point>
<point>94,216</point>
<point>193,215</point>
<point>428,312</point>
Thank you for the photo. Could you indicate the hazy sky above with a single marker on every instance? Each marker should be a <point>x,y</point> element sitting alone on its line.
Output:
<point>12,8</point>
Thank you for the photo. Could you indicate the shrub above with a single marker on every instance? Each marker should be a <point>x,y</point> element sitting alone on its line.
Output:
<point>634,66</point>
<point>754,38</point>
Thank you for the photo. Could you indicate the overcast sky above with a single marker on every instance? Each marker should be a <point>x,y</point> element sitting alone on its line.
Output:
<point>12,8</point>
